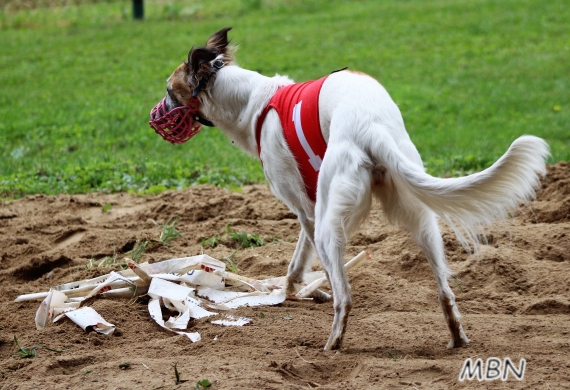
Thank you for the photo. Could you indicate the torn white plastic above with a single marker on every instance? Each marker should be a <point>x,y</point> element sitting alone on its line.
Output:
<point>172,284</point>
<point>176,298</point>
<point>54,304</point>
<point>203,278</point>
<point>256,300</point>
<point>139,271</point>
<point>87,317</point>
<point>279,282</point>
<point>75,289</point>
<point>114,280</point>
<point>357,260</point>
<point>313,286</point>
<point>156,314</point>
<point>310,288</point>
<point>196,277</point>
<point>125,292</point>
<point>218,296</point>
<point>179,322</point>
<point>183,265</point>
<point>190,308</point>
<point>234,299</point>
<point>165,289</point>
<point>196,311</point>
<point>43,314</point>
<point>128,277</point>
<point>233,321</point>
<point>244,281</point>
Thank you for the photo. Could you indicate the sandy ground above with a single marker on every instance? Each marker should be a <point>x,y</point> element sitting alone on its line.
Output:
<point>514,296</point>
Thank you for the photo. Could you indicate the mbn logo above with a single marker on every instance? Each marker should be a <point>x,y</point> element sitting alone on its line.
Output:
<point>493,369</point>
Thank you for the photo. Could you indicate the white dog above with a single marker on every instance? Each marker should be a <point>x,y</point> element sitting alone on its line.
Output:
<point>368,153</point>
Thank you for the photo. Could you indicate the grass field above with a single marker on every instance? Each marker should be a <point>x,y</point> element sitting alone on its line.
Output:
<point>77,83</point>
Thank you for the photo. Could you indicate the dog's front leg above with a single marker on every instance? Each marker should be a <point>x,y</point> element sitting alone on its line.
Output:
<point>343,202</point>
<point>303,258</point>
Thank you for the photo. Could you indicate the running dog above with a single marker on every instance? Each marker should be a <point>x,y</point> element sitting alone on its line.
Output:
<point>368,154</point>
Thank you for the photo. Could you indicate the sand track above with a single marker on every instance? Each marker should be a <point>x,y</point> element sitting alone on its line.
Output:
<point>514,296</point>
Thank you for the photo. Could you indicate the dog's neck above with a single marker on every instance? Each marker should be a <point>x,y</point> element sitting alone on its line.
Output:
<point>235,99</point>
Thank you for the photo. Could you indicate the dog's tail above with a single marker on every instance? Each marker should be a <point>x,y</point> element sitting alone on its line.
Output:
<point>472,201</point>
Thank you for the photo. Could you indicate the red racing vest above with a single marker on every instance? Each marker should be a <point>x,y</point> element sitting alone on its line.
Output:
<point>298,109</point>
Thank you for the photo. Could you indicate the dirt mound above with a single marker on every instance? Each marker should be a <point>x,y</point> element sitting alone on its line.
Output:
<point>553,200</point>
<point>513,294</point>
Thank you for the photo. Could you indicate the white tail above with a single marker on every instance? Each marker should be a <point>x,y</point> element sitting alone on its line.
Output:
<point>472,201</point>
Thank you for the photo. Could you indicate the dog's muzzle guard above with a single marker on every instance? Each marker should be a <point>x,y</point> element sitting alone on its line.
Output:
<point>177,125</point>
<point>181,123</point>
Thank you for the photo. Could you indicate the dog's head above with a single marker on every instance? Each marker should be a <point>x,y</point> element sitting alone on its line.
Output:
<point>177,117</point>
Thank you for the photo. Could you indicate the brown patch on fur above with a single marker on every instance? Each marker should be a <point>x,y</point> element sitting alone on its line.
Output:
<point>187,75</point>
<point>358,72</point>
<point>178,84</point>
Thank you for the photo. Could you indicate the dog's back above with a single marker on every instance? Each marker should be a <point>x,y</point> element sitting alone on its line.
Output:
<point>357,102</point>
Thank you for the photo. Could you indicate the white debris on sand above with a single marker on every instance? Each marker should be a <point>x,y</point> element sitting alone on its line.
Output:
<point>190,286</point>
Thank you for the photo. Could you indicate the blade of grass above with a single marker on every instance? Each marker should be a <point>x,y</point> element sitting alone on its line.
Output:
<point>177,375</point>
<point>32,351</point>
<point>169,231</point>
<point>231,266</point>
<point>139,250</point>
<point>458,285</point>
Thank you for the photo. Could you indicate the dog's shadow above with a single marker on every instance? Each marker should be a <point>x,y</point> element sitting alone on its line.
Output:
<point>422,352</point>
<point>378,352</point>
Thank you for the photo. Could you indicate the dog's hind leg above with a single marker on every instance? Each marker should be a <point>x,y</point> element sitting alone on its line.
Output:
<point>422,224</point>
<point>343,202</point>
<point>428,236</point>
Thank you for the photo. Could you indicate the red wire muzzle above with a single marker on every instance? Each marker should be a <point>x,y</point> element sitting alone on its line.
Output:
<point>177,125</point>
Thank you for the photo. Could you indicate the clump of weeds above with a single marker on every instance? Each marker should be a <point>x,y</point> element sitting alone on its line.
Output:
<point>233,239</point>
<point>168,231</point>
<point>31,352</point>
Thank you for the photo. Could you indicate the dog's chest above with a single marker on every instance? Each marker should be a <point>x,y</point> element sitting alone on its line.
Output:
<point>298,108</point>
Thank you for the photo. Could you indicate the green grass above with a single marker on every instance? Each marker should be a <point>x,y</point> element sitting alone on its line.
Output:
<point>77,83</point>
<point>233,238</point>
<point>31,352</point>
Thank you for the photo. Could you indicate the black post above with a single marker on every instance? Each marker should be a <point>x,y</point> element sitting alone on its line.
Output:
<point>138,9</point>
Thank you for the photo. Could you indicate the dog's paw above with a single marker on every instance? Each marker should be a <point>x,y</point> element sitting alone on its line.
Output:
<point>334,342</point>
<point>461,342</point>
<point>333,345</point>
<point>292,286</point>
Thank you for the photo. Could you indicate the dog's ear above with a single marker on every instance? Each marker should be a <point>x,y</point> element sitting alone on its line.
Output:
<point>219,40</point>
<point>200,56</point>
